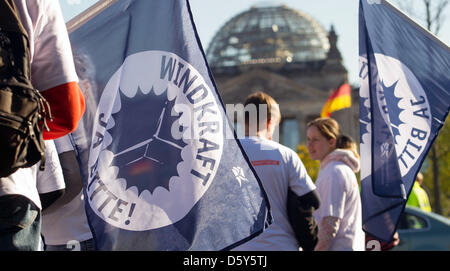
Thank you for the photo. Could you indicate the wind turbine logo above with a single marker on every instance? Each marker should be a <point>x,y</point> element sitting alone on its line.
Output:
<point>152,158</point>
<point>139,166</point>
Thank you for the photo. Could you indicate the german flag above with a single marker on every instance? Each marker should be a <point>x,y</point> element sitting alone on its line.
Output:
<point>339,99</point>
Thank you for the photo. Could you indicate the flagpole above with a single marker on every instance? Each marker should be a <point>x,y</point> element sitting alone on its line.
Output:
<point>86,15</point>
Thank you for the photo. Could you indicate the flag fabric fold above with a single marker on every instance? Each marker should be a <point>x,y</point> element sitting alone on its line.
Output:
<point>404,101</point>
<point>157,153</point>
<point>340,98</point>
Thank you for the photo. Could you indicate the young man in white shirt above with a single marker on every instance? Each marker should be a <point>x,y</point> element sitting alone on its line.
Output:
<point>50,182</point>
<point>64,224</point>
<point>52,73</point>
<point>279,169</point>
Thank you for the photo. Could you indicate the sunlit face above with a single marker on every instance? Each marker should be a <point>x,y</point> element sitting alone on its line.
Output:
<point>318,145</point>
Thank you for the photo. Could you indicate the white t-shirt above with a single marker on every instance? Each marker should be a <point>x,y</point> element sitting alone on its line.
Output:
<point>69,222</point>
<point>339,194</point>
<point>278,168</point>
<point>31,181</point>
<point>51,178</point>
<point>51,54</point>
<point>51,65</point>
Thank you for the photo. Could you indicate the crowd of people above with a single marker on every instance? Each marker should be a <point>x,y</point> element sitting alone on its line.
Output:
<point>44,210</point>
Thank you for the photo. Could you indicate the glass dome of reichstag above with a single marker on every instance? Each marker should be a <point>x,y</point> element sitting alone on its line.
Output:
<point>268,35</point>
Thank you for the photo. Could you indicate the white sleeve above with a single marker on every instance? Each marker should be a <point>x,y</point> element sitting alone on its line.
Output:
<point>51,179</point>
<point>328,228</point>
<point>299,180</point>
<point>63,144</point>
<point>52,62</point>
<point>332,195</point>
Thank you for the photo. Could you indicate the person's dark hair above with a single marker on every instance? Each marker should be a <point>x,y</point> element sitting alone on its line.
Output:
<point>346,142</point>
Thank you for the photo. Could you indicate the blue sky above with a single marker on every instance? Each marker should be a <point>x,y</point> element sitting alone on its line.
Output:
<point>210,15</point>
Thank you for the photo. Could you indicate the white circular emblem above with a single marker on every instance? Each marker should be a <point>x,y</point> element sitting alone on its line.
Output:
<point>157,142</point>
<point>402,103</point>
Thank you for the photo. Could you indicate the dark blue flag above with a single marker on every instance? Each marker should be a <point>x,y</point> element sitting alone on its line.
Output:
<point>161,164</point>
<point>404,101</point>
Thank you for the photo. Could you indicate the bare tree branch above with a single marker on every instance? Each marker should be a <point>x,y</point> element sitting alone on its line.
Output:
<point>439,19</point>
<point>431,15</point>
<point>428,18</point>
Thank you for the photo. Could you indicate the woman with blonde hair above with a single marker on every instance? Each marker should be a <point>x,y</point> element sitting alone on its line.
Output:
<point>339,216</point>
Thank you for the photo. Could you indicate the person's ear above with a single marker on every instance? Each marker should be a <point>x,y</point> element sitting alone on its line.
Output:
<point>332,142</point>
<point>268,124</point>
<point>269,129</point>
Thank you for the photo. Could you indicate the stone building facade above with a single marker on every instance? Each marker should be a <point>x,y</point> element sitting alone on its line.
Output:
<point>287,54</point>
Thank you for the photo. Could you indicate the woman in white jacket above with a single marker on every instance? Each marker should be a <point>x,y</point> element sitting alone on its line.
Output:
<point>339,216</point>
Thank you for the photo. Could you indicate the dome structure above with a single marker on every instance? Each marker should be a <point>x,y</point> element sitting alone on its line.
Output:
<point>268,35</point>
